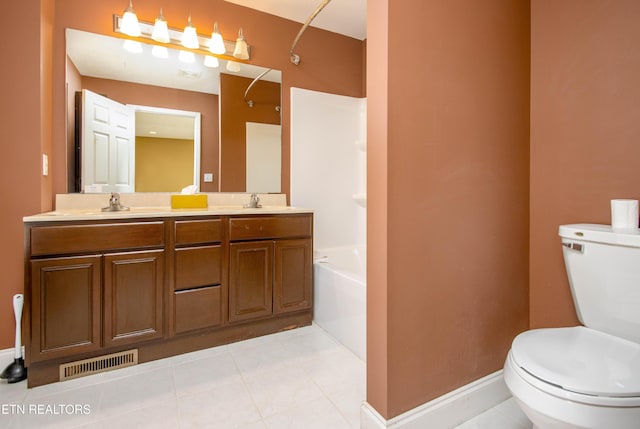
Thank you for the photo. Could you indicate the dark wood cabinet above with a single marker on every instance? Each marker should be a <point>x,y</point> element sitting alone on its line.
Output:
<point>160,285</point>
<point>293,283</point>
<point>197,309</point>
<point>250,280</point>
<point>66,306</point>
<point>67,302</point>
<point>198,275</point>
<point>198,266</point>
<point>133,287</point>
<point>272,273</point>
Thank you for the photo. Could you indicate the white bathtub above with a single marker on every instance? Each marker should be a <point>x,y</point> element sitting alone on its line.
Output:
<point>340,291</point>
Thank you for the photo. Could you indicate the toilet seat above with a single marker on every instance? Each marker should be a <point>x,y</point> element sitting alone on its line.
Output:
<point>579,362</point>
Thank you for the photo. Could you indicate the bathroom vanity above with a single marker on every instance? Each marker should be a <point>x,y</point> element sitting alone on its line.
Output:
<point>160,282</point>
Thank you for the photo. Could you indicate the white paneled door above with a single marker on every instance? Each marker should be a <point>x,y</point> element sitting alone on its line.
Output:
<point>108,145</point>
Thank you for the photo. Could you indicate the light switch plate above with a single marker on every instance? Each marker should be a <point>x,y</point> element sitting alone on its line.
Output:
<point>45,164</point>
<point>208,177</point>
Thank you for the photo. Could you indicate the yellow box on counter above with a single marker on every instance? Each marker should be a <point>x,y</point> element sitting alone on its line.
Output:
<point>197,201</point>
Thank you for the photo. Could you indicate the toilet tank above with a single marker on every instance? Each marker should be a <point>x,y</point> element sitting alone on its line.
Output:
<point>603,268</point>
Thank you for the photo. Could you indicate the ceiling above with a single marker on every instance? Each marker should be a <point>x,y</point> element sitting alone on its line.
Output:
<point>347,17</point>
<point>102,56</point>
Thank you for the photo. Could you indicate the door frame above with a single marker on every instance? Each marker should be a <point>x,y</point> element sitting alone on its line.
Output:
<point>196,132</point>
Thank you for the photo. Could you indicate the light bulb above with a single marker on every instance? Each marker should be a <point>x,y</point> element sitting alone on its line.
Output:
<point>160,30</point>
<point>189,36</point>
<point>130,25</point>
<point>241,51</point>
<point>210,61</point>
<point>187,57</point>
<point>232,66</point>
<point>160,52</point>
<point>216,45</point>
<point>132,46</point>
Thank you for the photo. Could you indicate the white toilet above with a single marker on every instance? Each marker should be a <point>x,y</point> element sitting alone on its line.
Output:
<point>586,376</point>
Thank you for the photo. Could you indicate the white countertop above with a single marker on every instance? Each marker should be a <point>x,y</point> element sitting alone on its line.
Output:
<point>161,212</point>
<point>70,207</point>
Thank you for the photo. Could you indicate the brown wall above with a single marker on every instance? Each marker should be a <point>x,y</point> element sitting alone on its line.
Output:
<point>33,105</point>
<point>147,95</point>
<point>585,132</point>
<point>233,129</point>
<point>25,112</point>
<point>448,151</point>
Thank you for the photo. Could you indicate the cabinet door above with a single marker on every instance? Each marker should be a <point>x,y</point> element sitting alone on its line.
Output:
<point>65,306</point>
<point>250,280</point>
<point>133,289</point>
<point>292,286</point>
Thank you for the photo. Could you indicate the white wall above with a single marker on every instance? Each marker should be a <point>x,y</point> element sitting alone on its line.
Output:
<point>264,154</point>
<point>328,164</point>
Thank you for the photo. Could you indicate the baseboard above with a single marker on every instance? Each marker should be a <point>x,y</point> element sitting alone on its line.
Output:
<point>8,355</point>
<point>448,410</point>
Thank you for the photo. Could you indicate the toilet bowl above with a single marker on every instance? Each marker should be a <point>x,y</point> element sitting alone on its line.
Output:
<point>575,378</point>
<point>586,377</point>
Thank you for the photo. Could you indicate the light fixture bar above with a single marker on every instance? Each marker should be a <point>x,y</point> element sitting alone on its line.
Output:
<point>175,36</point>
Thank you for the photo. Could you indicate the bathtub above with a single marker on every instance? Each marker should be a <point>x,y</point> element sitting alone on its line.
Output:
<point>339,295</point>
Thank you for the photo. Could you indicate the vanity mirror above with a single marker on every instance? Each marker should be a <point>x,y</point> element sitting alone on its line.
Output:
<point>211,101</point>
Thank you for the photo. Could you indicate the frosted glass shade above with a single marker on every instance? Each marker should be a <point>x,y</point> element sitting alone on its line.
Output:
<point>160,30</point>
<point>160,52</point>
<point>130,25</point>
<point>189,36</point>
<point>210,61</point>
<point>233,66</point>
<point>241,51</point>
<point>132,46</point>
<point>187,57</point>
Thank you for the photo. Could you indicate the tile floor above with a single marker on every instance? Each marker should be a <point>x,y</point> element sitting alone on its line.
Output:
<point>296,379</point>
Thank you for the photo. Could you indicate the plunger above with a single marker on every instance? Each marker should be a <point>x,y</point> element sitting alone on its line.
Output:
<point>16,371</point>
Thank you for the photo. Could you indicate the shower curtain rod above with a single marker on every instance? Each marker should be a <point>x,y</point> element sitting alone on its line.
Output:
<point>295,58</point>
<point>250,102</point>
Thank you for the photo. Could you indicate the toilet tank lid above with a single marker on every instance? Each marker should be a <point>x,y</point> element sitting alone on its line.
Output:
<point>580,360</point>
<point>600,234</point>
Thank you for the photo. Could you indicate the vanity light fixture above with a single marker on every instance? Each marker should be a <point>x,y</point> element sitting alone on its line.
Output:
<point>130,25</point>
<point>133,46</point>
<point>159,51</point>
<point>211,62</point>
<point>216,45</point>
<point>187,57</point>
<point>187,38</point>
<point>160,29</point>
<point>241,52</point>
<point>190,36</point>
<point>232,66</point>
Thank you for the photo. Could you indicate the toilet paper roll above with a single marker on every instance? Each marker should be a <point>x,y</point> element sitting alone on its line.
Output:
<point>624,214</point>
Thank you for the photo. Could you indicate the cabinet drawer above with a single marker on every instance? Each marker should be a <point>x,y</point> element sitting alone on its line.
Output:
<point>269,227</point>
<point>48,240</point>
<point>198,231</point>
<point>198,266</point>
<point>197,309</point>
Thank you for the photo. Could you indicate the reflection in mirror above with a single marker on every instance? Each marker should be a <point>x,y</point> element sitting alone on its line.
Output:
<point>100,64</point>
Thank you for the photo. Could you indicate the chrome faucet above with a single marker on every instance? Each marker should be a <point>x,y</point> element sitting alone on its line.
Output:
<point>114,204</point>
<point>254,202</point>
